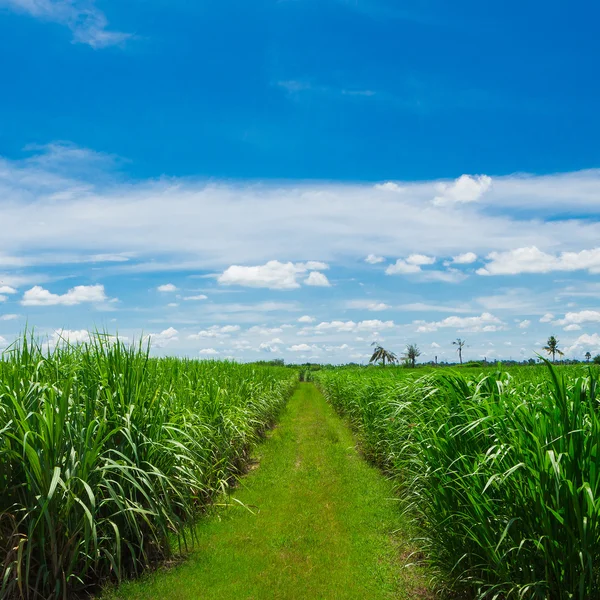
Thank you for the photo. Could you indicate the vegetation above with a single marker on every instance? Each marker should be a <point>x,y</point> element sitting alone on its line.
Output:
<point>552,349</point>
<point>321,523</point>
<point>411,354</point>
<point>107,457</point>
<point>380,354</point>
<point>500,471</point>
<point>460,345</point>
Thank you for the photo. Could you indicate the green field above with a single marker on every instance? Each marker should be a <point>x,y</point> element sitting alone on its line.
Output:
<point>500,471</point>
<point>483,482</point>
<point>107,457</point>
<point>320,523</point>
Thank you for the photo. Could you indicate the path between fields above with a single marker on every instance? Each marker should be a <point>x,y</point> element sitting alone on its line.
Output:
<point>325,524</point>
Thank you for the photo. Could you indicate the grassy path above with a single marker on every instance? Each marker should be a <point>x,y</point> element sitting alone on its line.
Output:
<point>325,525</point>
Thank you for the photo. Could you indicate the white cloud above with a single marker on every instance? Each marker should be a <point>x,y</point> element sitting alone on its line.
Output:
<point>572,327</point>
<point>7,289</point>
<point>67,336</point>
<point>378,306</point>
<point>547,318</point>
<point>583,316</point>
<point>270,346</point>
<point>215,332</point>
<point>208,352</point>
<point>448,276</point>
<point>401,267</point>
<point>533,260</point>
<point>167,287</point>
<point>38,296</point>
<point>164,338</point>
<point>306,319</point>
<point>463,190</point>
<point>464,259</point>
<point>584,343</point>
<point>373,259</point>
<point>389,186</point>
<point>260,330</point>
<point>3,342</point>
<point>303,348</point>
<point>9,317</point>
<point>274,275</point>
<point>486,322</point>
<point>351,326</point>
<point>435,345</point>
<point>368,305</point>
<point>313,265</point>
<point>198,297</point>
<point>317,279</point>
<point>524,324</point>
<point>420,259</point>
<point>173,305</point>
<point>87,23</point>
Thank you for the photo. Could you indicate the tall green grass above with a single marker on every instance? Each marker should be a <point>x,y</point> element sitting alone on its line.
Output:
<point>500,473</point>
<point>107,456</point>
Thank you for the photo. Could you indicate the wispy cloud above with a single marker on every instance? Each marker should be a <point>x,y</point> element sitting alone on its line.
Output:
<point>87,23</point>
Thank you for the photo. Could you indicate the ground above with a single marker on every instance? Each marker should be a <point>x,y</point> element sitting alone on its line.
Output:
<point>312,521</point>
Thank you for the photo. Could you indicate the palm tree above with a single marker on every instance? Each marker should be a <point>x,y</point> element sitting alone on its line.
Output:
<point>552,347</point>
<point>460,343</point>
<point>381,354</point>
<point>411,354</point>
<point>588,355</point>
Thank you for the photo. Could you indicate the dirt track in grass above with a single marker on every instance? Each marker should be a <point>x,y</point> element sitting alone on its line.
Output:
<point>312,521</point>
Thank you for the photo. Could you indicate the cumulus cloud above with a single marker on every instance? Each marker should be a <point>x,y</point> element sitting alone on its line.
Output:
<point>368,305</point>
<point>577,318</point>
<point>7,289</point>
<point>524,324</point>
<point>317,279</point>
<point>303,348</point>
<point>584,343</point>
<point>164,338</point>
<point>215,332</point>
<point>9,317</point>
<point>197,297</point>
<point>264,331</point>
<point>547,318</point>
<point>401,267</point>
<point>306,319</point>
<point>388,186</point>
<point>87,23</point>
<point>38,296</point>
<point>373,259</point>
<point>572,327</point>
<point>273,275</point>
<point>420,259</point>
<point>69,336</point>
<point>368,325</point>
<point>167,287</point>
<point>271,346</point>
<point>464,259</point>
<point>208,352</point>
<point>463,190</point>
<point>533,260</point>
<point>378,306</point>
<point>486,322</point>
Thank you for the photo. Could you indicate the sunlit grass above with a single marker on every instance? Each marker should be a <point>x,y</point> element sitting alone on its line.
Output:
<point>108,455</point>
<point>501,472</point>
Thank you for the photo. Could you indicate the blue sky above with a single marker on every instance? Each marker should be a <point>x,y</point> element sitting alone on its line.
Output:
<point>298,178</point>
